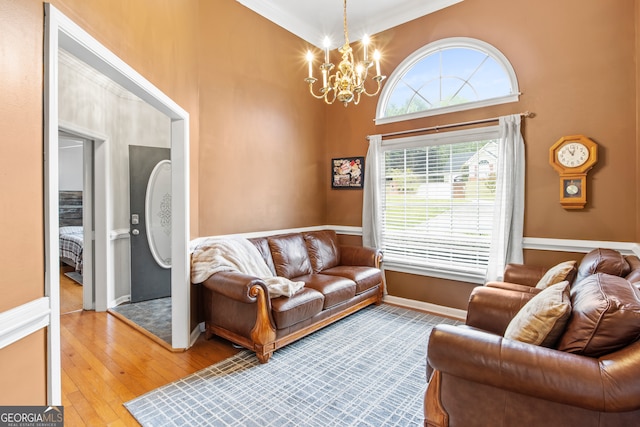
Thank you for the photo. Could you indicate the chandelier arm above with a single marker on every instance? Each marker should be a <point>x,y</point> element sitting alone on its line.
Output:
<point>326,97</point>
<point>311,81</point>
<point>356,99</point>
<point>378,80</point>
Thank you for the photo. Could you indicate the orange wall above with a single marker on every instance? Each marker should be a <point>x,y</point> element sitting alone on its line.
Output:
<point>21,174</point>
<point>575,63</point>
<point>261,134</point>
<point>157,38</point>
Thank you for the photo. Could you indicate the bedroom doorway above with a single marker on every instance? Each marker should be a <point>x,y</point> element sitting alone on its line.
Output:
<point>76,220</point>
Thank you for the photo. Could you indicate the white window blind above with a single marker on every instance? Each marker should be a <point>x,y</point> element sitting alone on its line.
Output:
<point>438,195</point>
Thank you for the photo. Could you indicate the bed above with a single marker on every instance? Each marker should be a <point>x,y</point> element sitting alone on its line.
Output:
<point>71,232</point>
<point>71,243</point>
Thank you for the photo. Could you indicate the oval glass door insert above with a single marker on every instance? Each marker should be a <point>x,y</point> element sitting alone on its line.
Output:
<point>158,213</point>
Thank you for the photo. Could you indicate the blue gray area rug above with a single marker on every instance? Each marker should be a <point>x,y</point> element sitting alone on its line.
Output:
<point>365,370</point>
<point>153,315</point>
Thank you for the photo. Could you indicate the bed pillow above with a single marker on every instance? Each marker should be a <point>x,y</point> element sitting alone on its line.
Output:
<point>558,273</point>
<point>605,316</point>
<point>542,319</point>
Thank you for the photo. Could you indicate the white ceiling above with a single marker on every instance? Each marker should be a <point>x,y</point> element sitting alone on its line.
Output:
<point>313,20</point>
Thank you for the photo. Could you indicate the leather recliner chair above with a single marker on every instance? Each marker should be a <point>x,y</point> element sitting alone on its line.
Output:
<point>479,378</point>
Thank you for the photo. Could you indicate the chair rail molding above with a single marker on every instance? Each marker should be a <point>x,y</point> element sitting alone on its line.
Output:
<point>580,246</point>
<point>23,320</point>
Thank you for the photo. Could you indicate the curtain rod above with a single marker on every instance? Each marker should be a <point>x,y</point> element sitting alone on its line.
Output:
<point>452,125</point>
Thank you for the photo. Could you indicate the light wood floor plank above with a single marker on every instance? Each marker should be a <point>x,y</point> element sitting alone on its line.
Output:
<point>106,363</point>
<point>70,292</point>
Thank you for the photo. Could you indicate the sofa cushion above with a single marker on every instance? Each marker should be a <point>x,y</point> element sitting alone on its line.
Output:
<point>542,319</point>
<point>290,257</point>
<point>335,289</point>
<point>262,244</point>
<point>558,273</point>
<point>602,261</point>
<point>605,316</point>
<point>365,277</point>
<point>323,249</point>
<point>634,265</point>
<point>288,311</point>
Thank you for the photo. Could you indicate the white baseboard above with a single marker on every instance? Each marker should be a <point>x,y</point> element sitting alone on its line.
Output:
<point>121,300</point>
<point>425,306</point>
<point>195,334</point>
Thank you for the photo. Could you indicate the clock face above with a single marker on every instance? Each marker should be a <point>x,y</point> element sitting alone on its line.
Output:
<point>573,155</point>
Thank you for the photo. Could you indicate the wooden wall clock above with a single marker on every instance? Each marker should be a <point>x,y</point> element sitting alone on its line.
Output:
<point>573,156</point>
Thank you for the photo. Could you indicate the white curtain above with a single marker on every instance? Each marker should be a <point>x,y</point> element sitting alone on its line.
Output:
<point>371,199</point>
<point>506,238</point>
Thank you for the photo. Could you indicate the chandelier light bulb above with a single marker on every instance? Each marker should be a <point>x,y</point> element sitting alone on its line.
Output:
<point>327,43</point>
<point>310,61</point>
<point>376,58</point>
<point>365,45</point>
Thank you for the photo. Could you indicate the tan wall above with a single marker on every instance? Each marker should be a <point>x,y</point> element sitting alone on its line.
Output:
<point>262,134</point>
<point>637,94</point>
<point>575,65</point>
<point>21,223</point>
<point>158,41</point>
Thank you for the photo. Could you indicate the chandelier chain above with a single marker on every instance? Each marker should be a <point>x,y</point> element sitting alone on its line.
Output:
<point>344,23</point>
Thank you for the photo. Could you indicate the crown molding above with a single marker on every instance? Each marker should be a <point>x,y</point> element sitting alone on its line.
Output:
<point>311,21</point>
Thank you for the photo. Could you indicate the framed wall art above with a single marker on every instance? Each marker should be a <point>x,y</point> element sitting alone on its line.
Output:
<point>347,173</point>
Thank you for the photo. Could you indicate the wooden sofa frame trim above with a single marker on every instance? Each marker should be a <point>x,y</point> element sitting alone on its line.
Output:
<point>435,414</point>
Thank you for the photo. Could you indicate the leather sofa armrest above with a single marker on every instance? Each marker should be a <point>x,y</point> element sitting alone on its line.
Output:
<point>360,255</point>
<point>607,384</point>
<point>491,309</point>
<point>522,274</point>
<point>235,285</point>
<point>513,287</point>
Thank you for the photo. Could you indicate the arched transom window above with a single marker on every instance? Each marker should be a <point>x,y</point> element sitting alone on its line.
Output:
<point>444,76</point>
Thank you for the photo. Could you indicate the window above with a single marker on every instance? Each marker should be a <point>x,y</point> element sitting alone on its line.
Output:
<point>437,201</point>
<point>445,76</point>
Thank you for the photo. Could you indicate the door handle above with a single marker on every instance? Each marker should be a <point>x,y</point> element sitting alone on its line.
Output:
<point>135,231</point>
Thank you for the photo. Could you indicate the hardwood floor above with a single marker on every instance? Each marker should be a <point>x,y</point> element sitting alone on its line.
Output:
<point>105,363</point>
<point>70,292</point>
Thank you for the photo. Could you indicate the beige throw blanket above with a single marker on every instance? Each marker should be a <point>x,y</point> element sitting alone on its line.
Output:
<point>211,255</point>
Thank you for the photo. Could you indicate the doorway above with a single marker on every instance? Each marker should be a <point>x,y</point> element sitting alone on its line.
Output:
<point>62,33</point>
<point>75,220</point>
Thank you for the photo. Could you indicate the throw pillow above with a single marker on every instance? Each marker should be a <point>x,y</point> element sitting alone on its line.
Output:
<point>556,274</point>
<point>542,319</point>
<point>605,317</point>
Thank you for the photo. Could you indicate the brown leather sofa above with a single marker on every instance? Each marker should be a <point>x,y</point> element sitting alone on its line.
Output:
<point>591,377</point>
<point>339,280</point>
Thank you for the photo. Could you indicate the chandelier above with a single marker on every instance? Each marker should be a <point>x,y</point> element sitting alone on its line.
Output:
<point>347,84</point>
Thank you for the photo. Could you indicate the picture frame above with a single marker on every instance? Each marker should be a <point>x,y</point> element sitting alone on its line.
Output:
<point>347,173</point>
